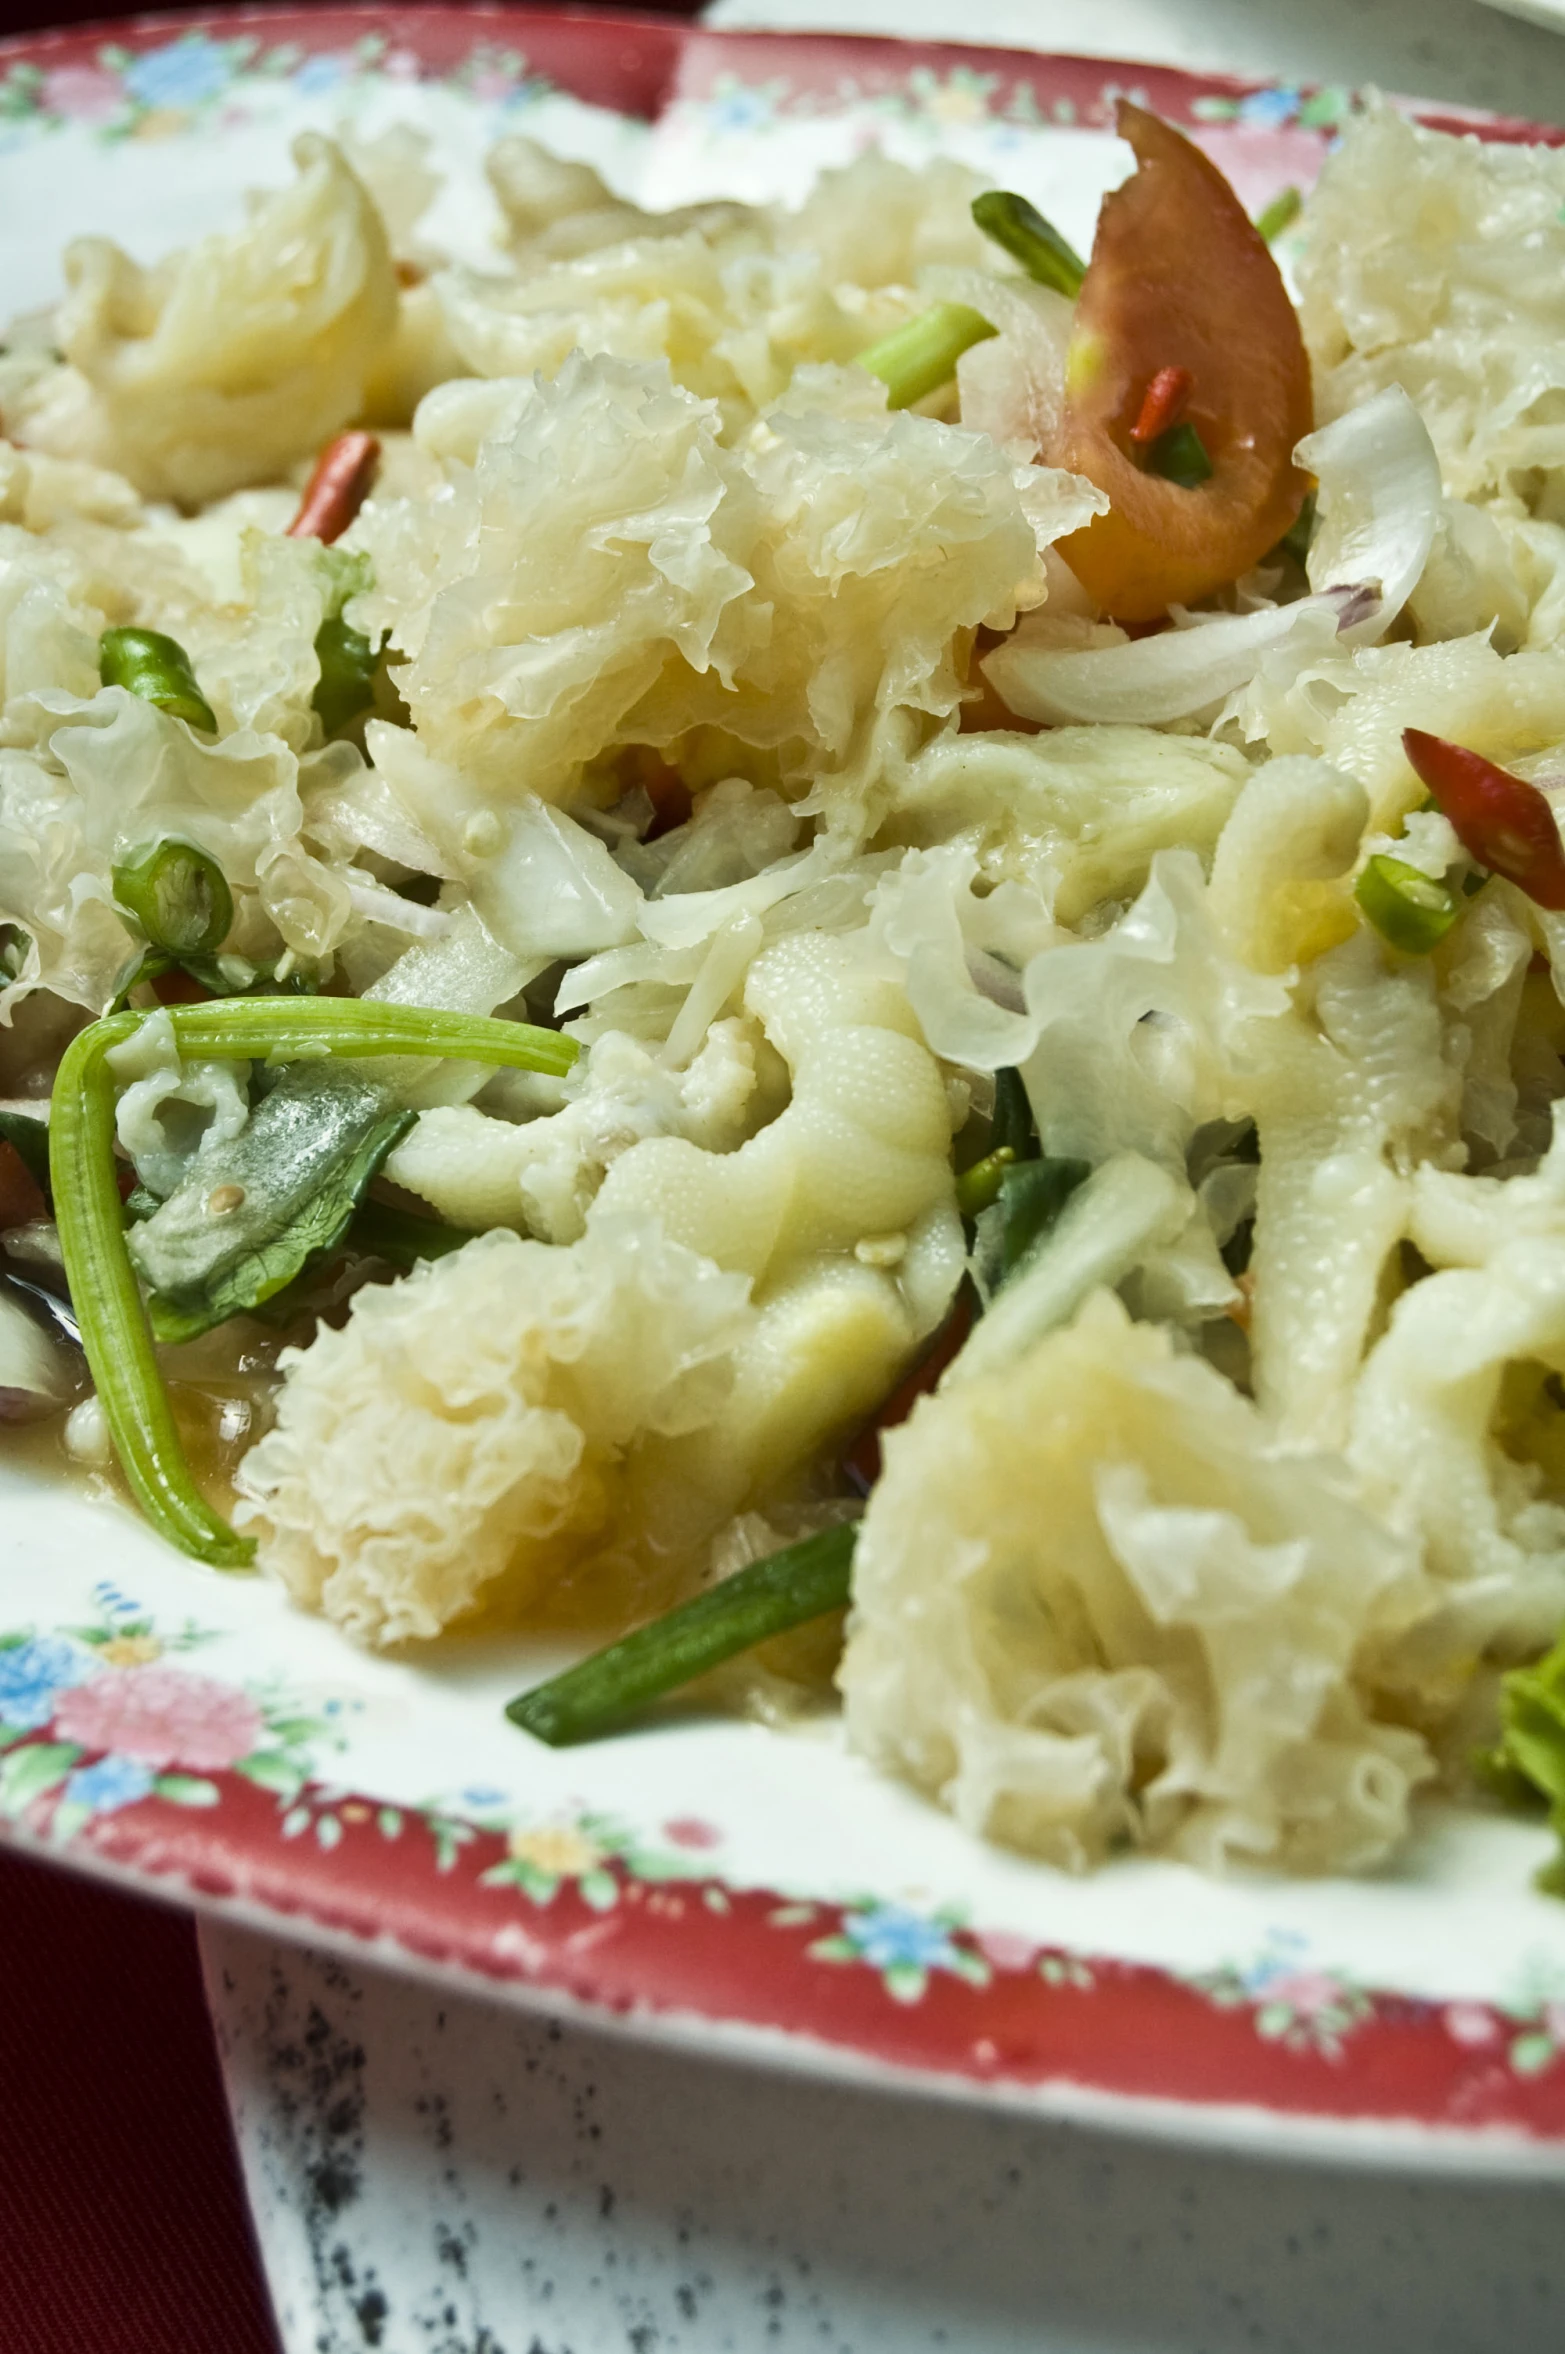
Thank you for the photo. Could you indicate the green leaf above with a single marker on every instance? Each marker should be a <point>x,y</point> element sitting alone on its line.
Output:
<point>1531,2054</point>
<point>906,1982</point>
<point>187,1790</point>
<point>248,1220</point>
<point>600,1890</point>
<point>69,1817</point>
<point>389,1821</point>
<point>272,1771</point>
<point>972,1967</point>
<point>27,1773</point>
<point>833,1949</point>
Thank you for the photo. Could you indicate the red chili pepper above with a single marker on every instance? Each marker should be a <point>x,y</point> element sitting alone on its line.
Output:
<point>21,1200</point>
<point>1499,819</point>
<point>1163,403</point>
<point>862,1460</point>
<point>338,488</point>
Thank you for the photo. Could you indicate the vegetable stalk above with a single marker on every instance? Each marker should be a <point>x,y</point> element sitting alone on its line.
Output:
<point>921,355</point>
<point>1036,243</point>
<point>802,1582</point>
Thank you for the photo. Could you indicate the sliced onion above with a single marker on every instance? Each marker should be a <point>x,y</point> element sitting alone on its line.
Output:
<point>1380,499</point>
<point>36,1376</point>
<point>1147,681</point>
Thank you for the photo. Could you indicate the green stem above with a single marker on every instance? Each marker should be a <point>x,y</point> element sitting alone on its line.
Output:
<point>802,1582</point>
<point>1036,243</point>
<point>921,355</point>
<point>1280,214</point>
<point>114,1328</point>
<point>292,1029</point>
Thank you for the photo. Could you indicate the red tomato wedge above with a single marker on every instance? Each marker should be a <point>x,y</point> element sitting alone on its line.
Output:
<point>1180,280</point>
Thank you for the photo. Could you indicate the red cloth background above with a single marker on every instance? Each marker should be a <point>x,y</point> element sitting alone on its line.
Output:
<point>123,2227</point>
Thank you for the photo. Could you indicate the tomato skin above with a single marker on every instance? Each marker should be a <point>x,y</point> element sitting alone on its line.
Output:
<point>1181,279</point>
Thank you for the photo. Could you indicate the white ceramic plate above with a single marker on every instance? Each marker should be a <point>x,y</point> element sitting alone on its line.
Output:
<point>705,1881</point>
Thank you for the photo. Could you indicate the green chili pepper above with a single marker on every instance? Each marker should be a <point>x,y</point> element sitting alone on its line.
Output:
<point>115,1331</point>
<point>1408,908</point>
<point>921,355</point>
<point>1179,455</point>
<point>1280,214</point>
<point>178,895</point>
<point>346,686</point>
<point>1036,243</point>
<point>158,670</point>
<point>802,1582</point>
<point>978,1188</point>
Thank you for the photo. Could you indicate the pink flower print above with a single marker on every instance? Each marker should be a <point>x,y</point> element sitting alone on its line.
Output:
<point>82,93</point>
<point>162,1716</point>
<point>1007,1949</point>
<point>1304,1992</point>
<point>1470,2024</point>
<point>691,1831</point>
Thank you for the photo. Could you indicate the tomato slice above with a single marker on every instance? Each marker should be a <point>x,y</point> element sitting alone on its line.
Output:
<point>1180,279</point>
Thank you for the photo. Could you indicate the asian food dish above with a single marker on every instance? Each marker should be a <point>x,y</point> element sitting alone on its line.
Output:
<point>774,911</point>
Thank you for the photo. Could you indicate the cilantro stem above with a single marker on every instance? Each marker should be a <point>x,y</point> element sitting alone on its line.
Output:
<point>115,1333</point>
<point>802,1582</point>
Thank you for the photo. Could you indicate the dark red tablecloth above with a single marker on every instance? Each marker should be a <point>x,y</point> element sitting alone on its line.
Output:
<point>123,2227</point>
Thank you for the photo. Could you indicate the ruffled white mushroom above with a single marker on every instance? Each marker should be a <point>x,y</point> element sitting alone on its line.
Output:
<point>1095,1602</point>
<point>230,361</point>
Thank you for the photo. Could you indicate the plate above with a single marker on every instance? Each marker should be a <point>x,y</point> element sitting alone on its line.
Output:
<point>708,1882</point>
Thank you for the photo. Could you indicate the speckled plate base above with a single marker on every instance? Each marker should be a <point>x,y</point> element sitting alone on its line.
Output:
<point>707,1883</point>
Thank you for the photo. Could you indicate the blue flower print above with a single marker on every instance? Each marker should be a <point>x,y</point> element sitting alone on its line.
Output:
<point>31,1677</point>
<point>184,73</point>
<point>111,1783</point>
<point>320,73</point>
<point>1270,109</point>
<point>891,1938</point>
<point>902,1946</point>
